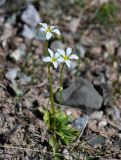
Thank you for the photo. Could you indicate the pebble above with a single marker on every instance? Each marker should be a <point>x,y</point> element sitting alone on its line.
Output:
<point>95,51</point>
<point>82,50</point>
<point>12,74</point>
<point>24,79</point>
<point>97,115</point>
<point>74,23</point>
<point>98,140</point>
<point>28,32</point>
<point>102,124</point>
<point>67,155</point>
<point>17,54</point>
<point>110,46</point>
<point>57,44</point>
<point>80,123</point>
<point>2,2</point>
<point>31,16</point>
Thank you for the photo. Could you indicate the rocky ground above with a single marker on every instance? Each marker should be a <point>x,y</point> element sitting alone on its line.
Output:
<point>92,92</point>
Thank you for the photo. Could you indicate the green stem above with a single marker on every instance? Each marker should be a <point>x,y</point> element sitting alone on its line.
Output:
<point>51,90</point>
<point>61,83</point>
<point>46,48</point>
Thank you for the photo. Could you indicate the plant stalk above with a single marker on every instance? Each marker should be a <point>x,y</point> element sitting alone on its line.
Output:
<point>46,48</point>
<point>51,90</point>
<point>61,83</point>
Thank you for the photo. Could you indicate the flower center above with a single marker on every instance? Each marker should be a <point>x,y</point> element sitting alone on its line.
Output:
<point>65,57</point>
<point>53,59</point>
<point>49,29</point>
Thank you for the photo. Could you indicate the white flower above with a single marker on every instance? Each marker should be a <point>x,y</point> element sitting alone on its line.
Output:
<point>52,58</point>
<point>49,30</point>
<point>66,56</point>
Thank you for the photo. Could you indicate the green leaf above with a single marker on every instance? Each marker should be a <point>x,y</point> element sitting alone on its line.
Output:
<point>47,117</point>
<point>54,144</point>
<point>52,141</point>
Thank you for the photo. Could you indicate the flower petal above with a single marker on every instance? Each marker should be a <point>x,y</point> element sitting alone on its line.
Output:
<point>68,51</point>
<point>48,35</point>
<point>51,52</point>
<point>47,59</point>
<point>55,64</point>
<point>61,52</point>
<point>42,29</point>
<point>44,25</point>
<point>60,60</point>
<point>73,56</point>
<point>57,55</point>
<point>52,27</point>
<point>56,31</point>
<point>68,63</point>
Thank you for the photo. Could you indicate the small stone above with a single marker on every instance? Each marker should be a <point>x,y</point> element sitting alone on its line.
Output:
<point>81,94</point>
<point>106,55</point>
<point>31,128</point>
<point>116,113</point>
<point>2,92</point>
<point>24,79</point>
<point>119,79</point>
<point>2,19</point>
<point>114,77</point>
<point>14,90</point>
<point>97,115</point>
<point>2,2</point>
<point>74,24</point>
<point>57,44</point>
<point>103,1</point>
<point>82,50</point>
<point>12,19</point>
<point>17,55</point>
<point>111,45</point>
<point>36,43</point>
<point>30,16</point>
<point>80,123</point>
<point>68,112</point>
<point>102,124</point>
<point>28,32</point>
<point>8,32</point>
<point>95,51</point>
<point>67,155</point>
<point>98,140</point>
<point>12,74</point>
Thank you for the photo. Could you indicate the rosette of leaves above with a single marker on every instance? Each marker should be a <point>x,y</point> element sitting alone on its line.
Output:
<point>59,124</point>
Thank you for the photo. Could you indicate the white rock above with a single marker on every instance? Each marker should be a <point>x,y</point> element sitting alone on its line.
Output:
<point>2,2</point>
<point>97,115</point>
<point>25,79</point>
<point>111,45</point>
<point>67,155</point>
<point>28,32</point>
<point>17,54</point>
<point>30,16</point>
<point>82,51</point>
<point>74,24</point>
<point>103,1</point>
<point>102,124</point>
<point>68,112</point>
<point>2,19</point>
<point>12,74</point>
<point>57,44</point>
<point>8,31</point>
